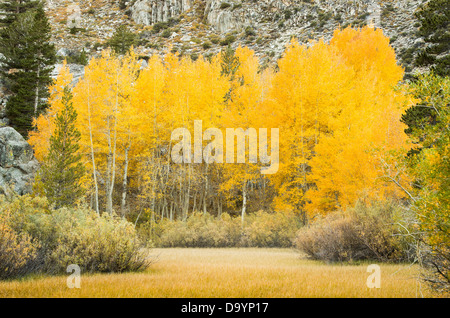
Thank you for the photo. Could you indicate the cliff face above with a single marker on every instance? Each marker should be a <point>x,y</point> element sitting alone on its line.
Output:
<point>147,12</point>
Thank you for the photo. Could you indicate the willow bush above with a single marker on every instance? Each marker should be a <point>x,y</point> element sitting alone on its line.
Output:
<point>74,235</point>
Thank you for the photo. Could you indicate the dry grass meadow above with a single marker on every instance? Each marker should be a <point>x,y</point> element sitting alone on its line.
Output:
<point>230,273</point>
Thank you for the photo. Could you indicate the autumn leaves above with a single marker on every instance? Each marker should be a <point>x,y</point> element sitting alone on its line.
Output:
<point>336,106</point>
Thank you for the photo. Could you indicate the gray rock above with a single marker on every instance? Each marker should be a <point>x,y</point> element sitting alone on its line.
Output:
<point>77,71</point>
<point>74,16</point>
<point>63,52</point>
<point>148,12</point>
<point>17,162</point>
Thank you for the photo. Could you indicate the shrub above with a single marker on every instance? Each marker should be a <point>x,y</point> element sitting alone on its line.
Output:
<point>214,38</point>
<point>364,232</point>
<point>76,236</point>
<point>261,229</point>
<point>271,229</point>
<point>17,251</point>
<point>229,38</point>
<point>194,56</point>
<point>249,31</point>
<point>224,5</point>
<point>166,33</point>
<point>95,243</point>
<point>158,26</point>
<point>198,230</point>
<point>206,45</point>
<point>330,239</point>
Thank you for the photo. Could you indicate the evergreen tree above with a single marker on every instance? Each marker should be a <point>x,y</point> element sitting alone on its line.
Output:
<point>230,64</point>
<point>434,17</point>
<point>62,169</point>
<point>12,8</point>
<point>431,169</point>
<point>122,40</point>
<point>26,64</point>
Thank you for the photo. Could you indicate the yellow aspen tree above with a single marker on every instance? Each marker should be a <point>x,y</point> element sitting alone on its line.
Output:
<point>349,162</point>
<point>308,91</point>
<point>102,99</point>
<point>243,116</point>
<point>44,124</point>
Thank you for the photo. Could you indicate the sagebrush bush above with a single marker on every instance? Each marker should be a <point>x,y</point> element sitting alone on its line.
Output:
<point>333,239</point>
<point>78,235</point>
<point>198,230</point>
<point>17,251</point>
<point>368,231</point>
<point>95,243</point>
<point>261,229</point>
<point>271,229</point>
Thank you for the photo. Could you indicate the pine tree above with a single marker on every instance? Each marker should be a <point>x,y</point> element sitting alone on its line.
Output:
<point>26,64</point>
<point>62,169</point>
<point>434,17</point>
<point>230,64</point>
<point>122,40</point>
<point>12,8</point>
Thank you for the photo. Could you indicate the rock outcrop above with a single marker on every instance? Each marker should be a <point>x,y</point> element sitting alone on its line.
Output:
<point>17,162</point>
<point>148,12</point>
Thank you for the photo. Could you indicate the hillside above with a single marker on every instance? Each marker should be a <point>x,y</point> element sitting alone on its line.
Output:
<point>194,27</point>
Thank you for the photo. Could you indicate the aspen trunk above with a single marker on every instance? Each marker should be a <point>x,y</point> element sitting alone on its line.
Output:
<point>94,171</point>
<point>125,184</point>
<point>244,201</point>
<point>36,98</point>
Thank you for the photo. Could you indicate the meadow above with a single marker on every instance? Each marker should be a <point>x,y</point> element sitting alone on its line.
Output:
<point>229,273</point>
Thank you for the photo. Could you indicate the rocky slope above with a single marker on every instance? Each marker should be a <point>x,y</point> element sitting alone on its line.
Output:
<point>196,27</point>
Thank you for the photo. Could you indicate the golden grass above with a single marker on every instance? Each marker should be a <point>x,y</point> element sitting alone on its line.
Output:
<point>254,273</point>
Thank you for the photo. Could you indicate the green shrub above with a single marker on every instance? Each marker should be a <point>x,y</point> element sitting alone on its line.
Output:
<point>96,244</point>
<point>158,26</point>
<point>214,38</point>
<point>249,31</point>
<point>224,5</point>
<point>80,58</point>
<point>229,38</point>
<point>166,33</point>
<point>194,56</point>
<point>76,236</point>
<point>365,232</point>
<point>206,45</point>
